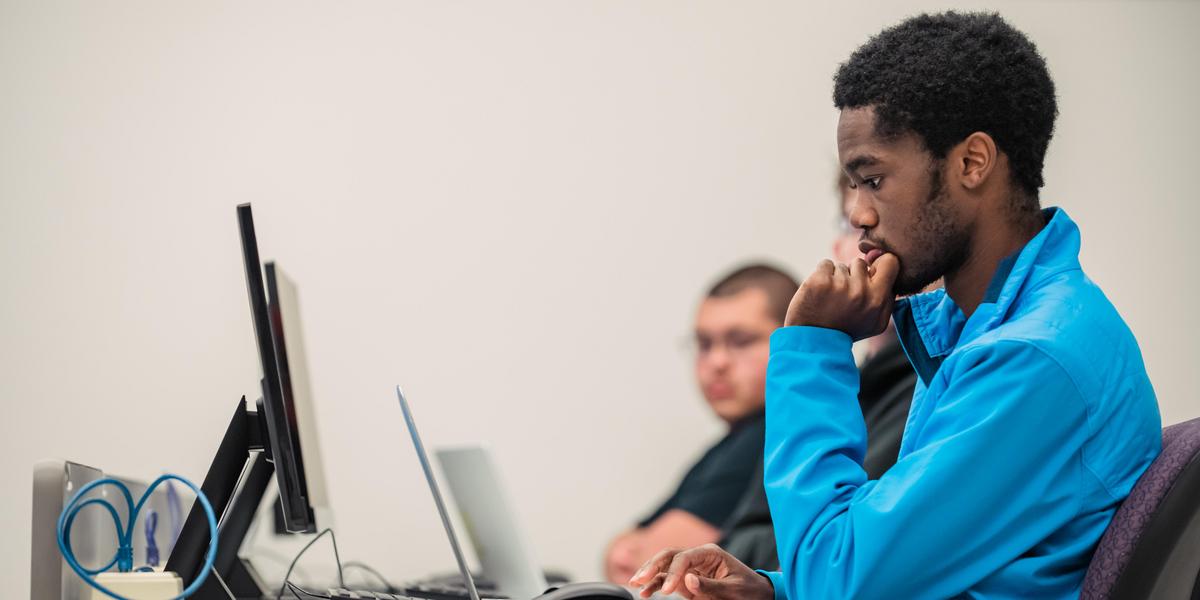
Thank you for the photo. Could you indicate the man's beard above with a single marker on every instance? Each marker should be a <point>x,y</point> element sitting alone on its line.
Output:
<point>939,245</point>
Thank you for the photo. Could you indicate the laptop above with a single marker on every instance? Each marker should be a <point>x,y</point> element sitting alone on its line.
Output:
<point>472,592</point>
<point>573,591</point>
<point>504,552</point>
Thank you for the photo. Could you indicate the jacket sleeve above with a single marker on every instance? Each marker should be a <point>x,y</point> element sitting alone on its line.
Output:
<point>992,467</point>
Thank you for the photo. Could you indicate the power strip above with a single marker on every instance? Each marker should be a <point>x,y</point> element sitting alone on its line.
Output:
<point>140,586</point>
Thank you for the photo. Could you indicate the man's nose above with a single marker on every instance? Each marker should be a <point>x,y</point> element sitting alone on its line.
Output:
<point>718,356</point>
<point>862,214</point>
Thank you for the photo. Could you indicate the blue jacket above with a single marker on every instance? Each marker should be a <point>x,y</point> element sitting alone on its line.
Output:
<point>1031,421</point>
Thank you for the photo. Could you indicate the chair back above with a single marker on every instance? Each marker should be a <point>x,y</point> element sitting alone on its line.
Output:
<point>1151,549</point>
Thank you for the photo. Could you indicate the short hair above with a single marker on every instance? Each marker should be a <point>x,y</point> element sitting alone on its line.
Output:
<point>777,283</point>
<point>948,75</point>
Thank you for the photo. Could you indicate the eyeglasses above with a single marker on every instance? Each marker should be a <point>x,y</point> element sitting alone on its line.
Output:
<point>738,344</point>
<point>845,227</point>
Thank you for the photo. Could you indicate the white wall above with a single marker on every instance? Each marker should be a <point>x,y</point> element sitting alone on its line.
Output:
<point>510,208</point>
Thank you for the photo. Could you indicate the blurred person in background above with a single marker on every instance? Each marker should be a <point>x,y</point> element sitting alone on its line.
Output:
<point>733,325</point>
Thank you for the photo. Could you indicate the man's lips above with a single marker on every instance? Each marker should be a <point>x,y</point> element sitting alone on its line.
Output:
<point>718,391</point>
<point>871,251</point>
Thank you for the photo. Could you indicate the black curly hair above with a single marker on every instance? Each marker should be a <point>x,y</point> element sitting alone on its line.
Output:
<point>948,75</point>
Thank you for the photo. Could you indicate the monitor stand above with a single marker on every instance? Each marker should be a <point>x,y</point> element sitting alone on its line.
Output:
<point>234,485</point>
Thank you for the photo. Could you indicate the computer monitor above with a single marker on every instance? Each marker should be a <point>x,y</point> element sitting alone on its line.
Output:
<point>282,431</point>
<point>256,443</point>
<point>283,302</point>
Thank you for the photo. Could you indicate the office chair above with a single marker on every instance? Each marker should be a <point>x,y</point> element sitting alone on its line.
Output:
<point>1151,550</point>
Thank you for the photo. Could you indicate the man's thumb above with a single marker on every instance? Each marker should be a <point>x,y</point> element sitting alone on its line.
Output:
<point>885,269</point>
<point>703,587</point>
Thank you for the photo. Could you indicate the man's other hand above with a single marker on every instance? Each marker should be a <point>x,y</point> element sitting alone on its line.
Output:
<point>623,557</point>
<point>703,573</point>
<point>856,298</point>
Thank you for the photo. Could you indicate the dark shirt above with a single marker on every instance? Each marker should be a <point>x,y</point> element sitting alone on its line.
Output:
<point>885,389</point>
<point>713,486</point>
<point>886,382</point>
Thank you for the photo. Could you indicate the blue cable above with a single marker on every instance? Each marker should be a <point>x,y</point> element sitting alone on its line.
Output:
<point>175,509</point>
<point>116,521</point>
<point>151,543</point>
<point>124,556</point>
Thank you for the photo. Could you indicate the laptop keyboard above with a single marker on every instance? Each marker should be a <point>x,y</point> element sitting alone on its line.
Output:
<point>343,594</point>
<point>448,591</point>
<point>419,592</point>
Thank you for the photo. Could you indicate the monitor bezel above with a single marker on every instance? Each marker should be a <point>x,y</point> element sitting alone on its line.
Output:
<point>309,470</point>
<point>297,513</point>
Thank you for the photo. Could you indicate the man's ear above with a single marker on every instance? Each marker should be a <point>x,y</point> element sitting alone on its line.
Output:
<point>974,160</point>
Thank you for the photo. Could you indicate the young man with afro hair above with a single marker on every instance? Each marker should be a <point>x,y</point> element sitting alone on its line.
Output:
<point>1033,415</point>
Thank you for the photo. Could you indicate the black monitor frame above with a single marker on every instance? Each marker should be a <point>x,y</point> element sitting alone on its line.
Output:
<point>287,391</point>
<point>255,445</point>
<point>284,448</point>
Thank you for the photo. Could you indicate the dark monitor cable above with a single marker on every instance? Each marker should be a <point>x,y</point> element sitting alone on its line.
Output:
<point>300,592</point>
<point>287,584</point>
<point>356,564</point>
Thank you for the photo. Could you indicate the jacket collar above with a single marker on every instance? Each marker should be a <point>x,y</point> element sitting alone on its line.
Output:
<point>931,326</point>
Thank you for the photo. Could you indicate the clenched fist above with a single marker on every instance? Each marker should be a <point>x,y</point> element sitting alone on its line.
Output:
<point>856,299</point>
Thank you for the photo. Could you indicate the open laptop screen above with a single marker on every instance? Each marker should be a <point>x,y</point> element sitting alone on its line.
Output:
<point>437,495</point>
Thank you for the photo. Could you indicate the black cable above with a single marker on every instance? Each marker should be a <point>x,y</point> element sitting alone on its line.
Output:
<point>336,556</point>
<point>297,591</point>
<point>351,564</point>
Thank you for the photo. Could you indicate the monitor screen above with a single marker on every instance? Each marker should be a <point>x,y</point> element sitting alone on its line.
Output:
<point>283,302</point>
<point>283,445</point>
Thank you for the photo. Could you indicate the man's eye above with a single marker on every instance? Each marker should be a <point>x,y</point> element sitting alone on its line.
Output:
<point>872,182</point>
<point>741,341</point>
